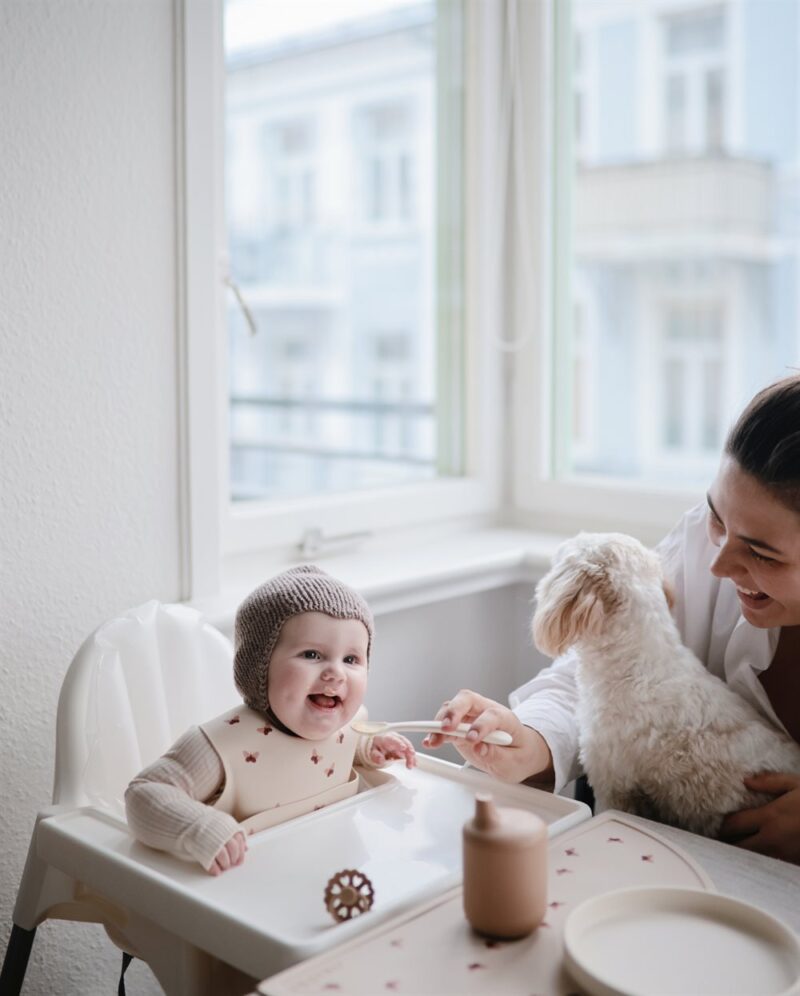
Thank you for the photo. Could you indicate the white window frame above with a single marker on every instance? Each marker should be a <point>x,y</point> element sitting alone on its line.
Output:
<point>214,532</point>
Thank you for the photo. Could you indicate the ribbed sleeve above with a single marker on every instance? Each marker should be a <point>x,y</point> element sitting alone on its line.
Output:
<point>166,803</point>
<point>362,755</point>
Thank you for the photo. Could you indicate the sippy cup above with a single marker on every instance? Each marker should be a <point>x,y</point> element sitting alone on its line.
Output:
<point>505,870</point>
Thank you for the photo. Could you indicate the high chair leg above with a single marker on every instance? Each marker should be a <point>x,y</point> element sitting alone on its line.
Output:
<point>15,962</point>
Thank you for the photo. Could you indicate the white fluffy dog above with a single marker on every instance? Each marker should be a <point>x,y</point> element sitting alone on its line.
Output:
<point>659,735</point>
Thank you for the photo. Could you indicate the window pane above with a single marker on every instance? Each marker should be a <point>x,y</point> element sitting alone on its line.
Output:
<point>684,229</point>
<point>695,31</point>
<point>674,403</point>
<point>330,178</point>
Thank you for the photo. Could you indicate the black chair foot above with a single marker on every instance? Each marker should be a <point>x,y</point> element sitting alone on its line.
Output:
<point>126,960</point>
<point>15,962</point>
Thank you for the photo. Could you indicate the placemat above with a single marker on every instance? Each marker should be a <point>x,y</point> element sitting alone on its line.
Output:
<point>433,950</point>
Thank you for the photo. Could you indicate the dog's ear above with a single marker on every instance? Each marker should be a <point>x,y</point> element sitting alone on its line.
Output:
<point>573,604</point>
<point>669,594</point>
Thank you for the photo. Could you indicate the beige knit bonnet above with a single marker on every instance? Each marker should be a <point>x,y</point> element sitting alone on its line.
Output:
<point>260,618</point>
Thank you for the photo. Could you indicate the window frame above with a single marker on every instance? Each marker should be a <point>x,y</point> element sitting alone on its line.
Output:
<point>510,442</point>
<point>214,532</point>
<point>545,495</point>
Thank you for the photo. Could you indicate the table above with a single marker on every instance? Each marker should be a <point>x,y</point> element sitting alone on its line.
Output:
<point>766,882</point>
<point>433,951</point>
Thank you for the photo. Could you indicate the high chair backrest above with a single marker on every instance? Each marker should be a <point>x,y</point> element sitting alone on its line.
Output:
<point>134,686</point>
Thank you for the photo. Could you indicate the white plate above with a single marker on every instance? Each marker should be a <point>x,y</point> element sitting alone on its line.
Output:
<point>679,942</point>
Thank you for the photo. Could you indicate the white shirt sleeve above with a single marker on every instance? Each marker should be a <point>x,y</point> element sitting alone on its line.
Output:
<point>547,703</point>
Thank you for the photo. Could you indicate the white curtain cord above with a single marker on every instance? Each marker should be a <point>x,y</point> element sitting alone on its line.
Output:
<point>512,154</point>
<point>246,312</point>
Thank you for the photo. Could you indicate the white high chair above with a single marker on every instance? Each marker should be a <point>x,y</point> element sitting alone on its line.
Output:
<point>136,684</point>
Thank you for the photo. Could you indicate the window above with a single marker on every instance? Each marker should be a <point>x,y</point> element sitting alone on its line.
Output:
<point>332,215</point>
<point>691,357</point>
<point>605,198</point>
<point>385,144</point>
<point>290,168</point>
<point>677,268</point>
<point>695,55</point>
<point>334,297</point>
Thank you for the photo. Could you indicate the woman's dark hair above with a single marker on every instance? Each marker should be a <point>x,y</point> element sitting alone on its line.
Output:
<point>765,441</point>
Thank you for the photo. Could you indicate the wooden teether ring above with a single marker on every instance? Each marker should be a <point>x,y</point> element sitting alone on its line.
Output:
<point>349,893</point>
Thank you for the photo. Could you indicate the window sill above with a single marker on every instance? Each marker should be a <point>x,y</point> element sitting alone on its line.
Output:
<point>394,576</point>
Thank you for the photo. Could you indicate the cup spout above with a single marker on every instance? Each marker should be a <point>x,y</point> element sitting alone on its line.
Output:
<point>486,815</point>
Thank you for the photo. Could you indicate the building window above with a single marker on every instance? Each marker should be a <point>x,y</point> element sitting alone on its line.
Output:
<point>290,170</point>
<point>384,137</point>
<point>332,220</point>
<point>692,360</point>
<point>695,87</point>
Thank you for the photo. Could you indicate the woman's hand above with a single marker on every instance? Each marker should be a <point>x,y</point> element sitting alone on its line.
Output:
<point>392,747</point>
<point>526,756</point>
<point>229,855</point>
<point>773,828</point>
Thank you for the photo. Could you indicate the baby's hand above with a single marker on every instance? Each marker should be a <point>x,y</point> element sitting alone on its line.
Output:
<point>392,747</point>
<point>229,855</point>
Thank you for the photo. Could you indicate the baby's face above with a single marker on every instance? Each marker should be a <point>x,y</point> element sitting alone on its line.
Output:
<point>318,673</point>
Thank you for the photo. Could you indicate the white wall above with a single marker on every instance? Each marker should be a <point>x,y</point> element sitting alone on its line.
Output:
<point>88,478</point>
<point>424,655</point>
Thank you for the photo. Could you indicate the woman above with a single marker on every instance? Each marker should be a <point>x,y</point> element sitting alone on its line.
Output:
<point>734,564</point>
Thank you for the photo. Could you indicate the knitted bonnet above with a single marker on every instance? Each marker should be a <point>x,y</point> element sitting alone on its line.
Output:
<point>260,618</point>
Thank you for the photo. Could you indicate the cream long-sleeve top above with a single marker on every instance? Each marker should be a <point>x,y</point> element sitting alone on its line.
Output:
<point>710,622</point>
<point>171,804</point>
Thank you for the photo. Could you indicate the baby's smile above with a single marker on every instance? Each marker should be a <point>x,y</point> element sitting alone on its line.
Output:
<point>324,700</point>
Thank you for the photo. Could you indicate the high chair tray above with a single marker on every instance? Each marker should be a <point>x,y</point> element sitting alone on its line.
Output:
<point>403,832</point>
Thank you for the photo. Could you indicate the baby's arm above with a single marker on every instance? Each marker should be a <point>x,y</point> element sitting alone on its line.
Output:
<point>165,807</point>
<point>378,751</point>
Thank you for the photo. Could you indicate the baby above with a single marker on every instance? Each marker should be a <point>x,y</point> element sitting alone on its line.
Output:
<point>303,642</point>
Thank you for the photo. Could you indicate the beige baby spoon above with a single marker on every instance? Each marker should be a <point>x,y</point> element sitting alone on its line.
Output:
<point>498,737</point>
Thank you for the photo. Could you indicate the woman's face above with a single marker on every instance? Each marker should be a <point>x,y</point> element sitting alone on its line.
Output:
<point>758,540</point>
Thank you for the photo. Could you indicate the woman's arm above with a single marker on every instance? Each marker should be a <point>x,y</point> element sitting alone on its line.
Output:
<point>528,755</point>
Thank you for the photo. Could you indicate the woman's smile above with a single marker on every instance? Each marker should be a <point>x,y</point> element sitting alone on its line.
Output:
<point>754,600</point>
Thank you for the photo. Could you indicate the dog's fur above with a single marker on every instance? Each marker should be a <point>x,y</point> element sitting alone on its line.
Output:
<point>659,735</point>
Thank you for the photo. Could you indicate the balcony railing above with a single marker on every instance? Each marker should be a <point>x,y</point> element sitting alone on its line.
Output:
<point>719,204</point>
<point>335,445</point>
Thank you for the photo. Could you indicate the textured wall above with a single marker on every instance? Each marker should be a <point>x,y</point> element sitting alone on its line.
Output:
<point>88,478</point>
